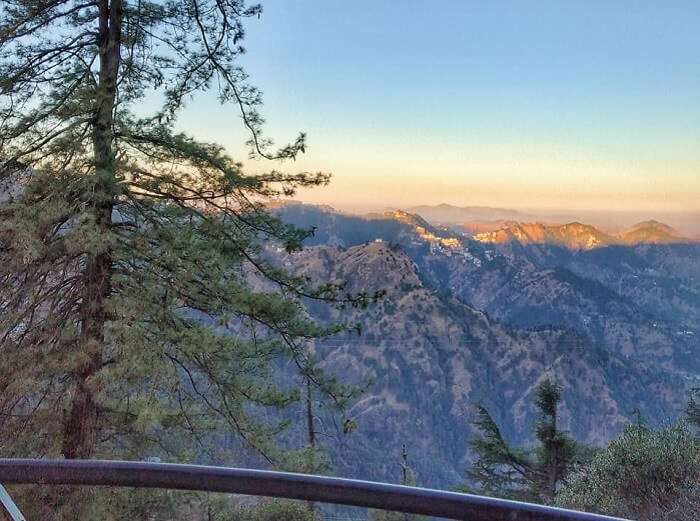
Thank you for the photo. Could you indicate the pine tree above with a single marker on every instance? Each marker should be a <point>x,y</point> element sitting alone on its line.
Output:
<point>502,470</point>
<point>140,312</point>
<point>692,410</point>
<point>644,474</point>
<point>556,450</point>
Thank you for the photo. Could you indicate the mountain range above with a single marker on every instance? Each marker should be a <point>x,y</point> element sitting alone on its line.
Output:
<point>578,236</point>
<point>449,214</point>
<point>468,321</point>
<point>478,219</point>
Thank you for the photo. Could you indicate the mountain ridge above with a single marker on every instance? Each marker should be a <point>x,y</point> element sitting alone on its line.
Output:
<point>469,322</point>
<point>580,236</point>
<point>510,226</point>
<point>432,358</point>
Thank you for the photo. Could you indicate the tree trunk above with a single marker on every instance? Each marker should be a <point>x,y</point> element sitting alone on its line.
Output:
<point>552,447</point>
<point>310,430</point>
<point>81,424</point>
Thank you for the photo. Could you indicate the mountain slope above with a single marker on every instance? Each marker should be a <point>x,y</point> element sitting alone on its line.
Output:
<point>575,236</point>
<point>431,358</point>
<point>540,284</point>
<point>650,232</point>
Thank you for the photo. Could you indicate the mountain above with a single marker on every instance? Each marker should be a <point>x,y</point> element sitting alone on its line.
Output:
<point>577,236</point>
<point>448,214</point>
<point>339,229</point>
<point>657,283</point>
<point>431,358</point>
<point>472,228</point>
<point>466,321</point>
<point>650,232</point>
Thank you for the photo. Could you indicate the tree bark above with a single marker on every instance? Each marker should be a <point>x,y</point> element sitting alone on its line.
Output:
<point>310,430</point>
<point>81,424</point>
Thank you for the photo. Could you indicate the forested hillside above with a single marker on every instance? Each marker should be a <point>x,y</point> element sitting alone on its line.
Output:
<point>465,323</point>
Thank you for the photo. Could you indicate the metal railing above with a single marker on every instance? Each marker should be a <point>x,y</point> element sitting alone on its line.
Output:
<point>325,489</point>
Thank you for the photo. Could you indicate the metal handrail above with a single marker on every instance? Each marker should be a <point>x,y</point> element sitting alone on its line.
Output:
<point>413,500</point>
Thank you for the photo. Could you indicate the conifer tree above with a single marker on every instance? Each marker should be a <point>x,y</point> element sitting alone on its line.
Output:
<point>502,470</point>
<point>139,309</point>
<point>644,474</point>
<point>692,410</point>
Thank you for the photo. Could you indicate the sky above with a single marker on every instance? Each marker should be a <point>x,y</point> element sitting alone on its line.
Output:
<point>591,105</point>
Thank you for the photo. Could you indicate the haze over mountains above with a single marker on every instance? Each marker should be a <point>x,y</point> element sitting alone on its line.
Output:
<point>477,219</point>
<point>448,214</point>
<point>481,318</point>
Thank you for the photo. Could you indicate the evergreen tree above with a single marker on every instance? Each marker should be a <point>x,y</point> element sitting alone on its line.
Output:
<point>692,411</point>
<point>139,310</point>
<point>643,474</point>
<point>502,470</point>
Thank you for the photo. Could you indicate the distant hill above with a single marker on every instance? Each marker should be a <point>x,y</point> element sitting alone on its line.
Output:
<point>575,236</point>
<point>650,232</point>
<point>340,229</point>
<point>472,228</point>
<point>448,214</point>
<point>479,219</point>
<point>578,236</point>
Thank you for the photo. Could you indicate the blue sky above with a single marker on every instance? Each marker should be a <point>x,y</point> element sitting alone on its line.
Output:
<point>551,104</point>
